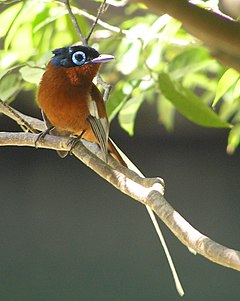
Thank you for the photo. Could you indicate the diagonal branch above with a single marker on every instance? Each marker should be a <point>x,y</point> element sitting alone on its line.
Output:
<point>24,121</point>
<point>101,10</point>
<point>27,123</point>
<point>147,191</point>
<point>74,21</point>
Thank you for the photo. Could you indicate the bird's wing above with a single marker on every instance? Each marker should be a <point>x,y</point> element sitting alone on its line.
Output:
<point>99,127</point>
<point>98,119</point>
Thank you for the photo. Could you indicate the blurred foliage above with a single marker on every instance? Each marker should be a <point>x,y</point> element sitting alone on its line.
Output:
<point>156,61</point>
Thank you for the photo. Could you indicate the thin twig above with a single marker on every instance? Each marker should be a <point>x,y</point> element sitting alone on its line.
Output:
<point>101,10</point>
<point>74,21</point>
<point>107,87</point>
<point>100,22</point>
<point>18,117</point>
<point>161,188</point>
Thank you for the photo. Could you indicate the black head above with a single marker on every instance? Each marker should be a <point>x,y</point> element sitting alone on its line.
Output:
<point>75,56</point>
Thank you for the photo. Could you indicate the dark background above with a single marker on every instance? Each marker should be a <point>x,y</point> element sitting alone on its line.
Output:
<point>66,234</point>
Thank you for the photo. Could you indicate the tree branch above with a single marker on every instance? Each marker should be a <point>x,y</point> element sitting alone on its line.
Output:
<point>148,191</point>
<point>101,10</point>
<point>218,33</point>
<point>25,122</point>
<point>33,122</point>
<point>75,23</point>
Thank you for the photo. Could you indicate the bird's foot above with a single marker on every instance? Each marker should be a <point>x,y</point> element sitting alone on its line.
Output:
<point>73,141</point>
<point>42,135</point>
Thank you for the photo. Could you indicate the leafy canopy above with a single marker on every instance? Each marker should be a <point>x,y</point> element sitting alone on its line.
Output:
<point>156,61</point>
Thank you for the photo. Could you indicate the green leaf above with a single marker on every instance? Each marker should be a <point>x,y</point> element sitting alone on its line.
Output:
<point>236,90</point>
<point>6,18</point>
<point>189,61</point>
<point>24,16</point>
<point>10,85</point>
<point>128,113</point>
<point>130,58</point>
<point>233,139</point>
<point>170,29</point>
<point>229,109</point>
<point>41,21</point>
<point>165,112</point>
<point>228,79</point>
<point>188,104</point>
<point>7,59</point>
<point>122,93</point>
<point>61,34</point>
<point>23,37</point>
<point>115,103</point>
<point>31,74</point>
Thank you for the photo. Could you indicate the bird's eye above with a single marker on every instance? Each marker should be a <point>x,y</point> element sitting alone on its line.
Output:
<point>79,58</point>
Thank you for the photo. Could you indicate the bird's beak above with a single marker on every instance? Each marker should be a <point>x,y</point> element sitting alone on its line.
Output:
<point>102,58</point>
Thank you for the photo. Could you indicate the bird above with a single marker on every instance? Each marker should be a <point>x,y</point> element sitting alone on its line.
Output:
<point>71,103</point>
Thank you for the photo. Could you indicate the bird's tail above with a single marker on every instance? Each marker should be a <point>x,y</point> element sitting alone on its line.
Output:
<point>115,153</point>
<point>124,160</point>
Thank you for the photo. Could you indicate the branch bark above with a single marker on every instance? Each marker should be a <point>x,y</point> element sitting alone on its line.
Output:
<point>218,33</point>
<point>148,191</point>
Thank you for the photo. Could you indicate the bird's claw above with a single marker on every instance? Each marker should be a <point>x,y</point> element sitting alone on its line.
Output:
<point>73,141</point>
<point>42,135</point>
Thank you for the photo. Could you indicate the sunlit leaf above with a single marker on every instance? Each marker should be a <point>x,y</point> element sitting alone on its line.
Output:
<point>42,15</point>
<point>228,79</point>
<point>7,59</point>
<point>62,34</point>
<point>20,18</point>
<point>6,18</point>
<point>43,39</point>
<point>170,29</point>
<point>122,93</point>
<point>199,80</point>
<point>188,104</point>
<point>228,109</point>
<point>189,61</point>
<point>133,7</point>
<point>154,55</point>
<point>31,74</point>
<point>129,59</point>
<point>115,103</point>
<point>160,23</point>
<point>128,113</point>
<point>236,91</point>
<point>233,139</point>
<point>165,112</point>
<point>45,19</point>
<point>10,85</point>
<point>23,37</point>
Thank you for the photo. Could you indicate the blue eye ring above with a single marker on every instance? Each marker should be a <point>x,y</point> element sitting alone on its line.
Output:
<point>79,58</point>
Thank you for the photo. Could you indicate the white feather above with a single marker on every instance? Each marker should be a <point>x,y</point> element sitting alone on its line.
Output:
<point>92,107</point>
